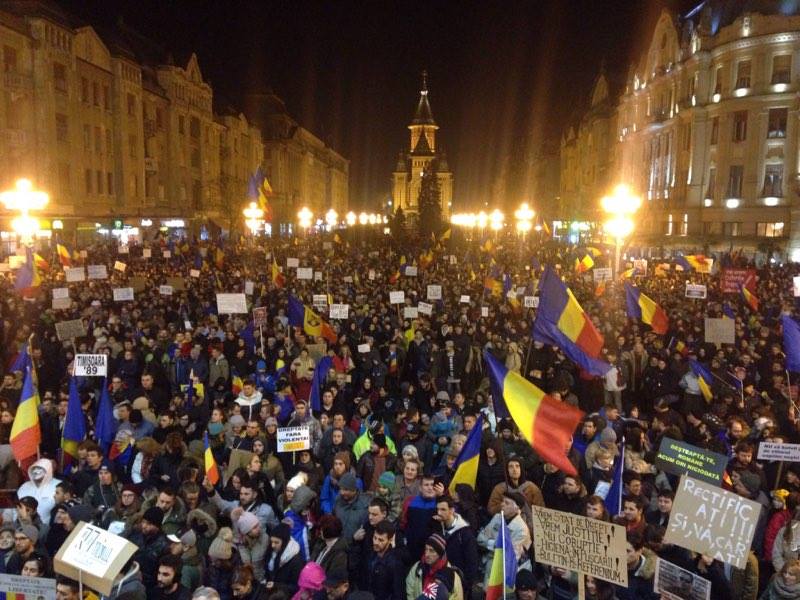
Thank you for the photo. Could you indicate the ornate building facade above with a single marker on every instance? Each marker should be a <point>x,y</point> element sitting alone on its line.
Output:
<point>423,156</point>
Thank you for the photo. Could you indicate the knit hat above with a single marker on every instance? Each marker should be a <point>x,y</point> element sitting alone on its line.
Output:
<point>237,421</point>
<point>30,532</point>
<point>283,532</point>
<point>386,480</point>
<point>750,480</point>
<point>303,496</point>
<point>271,421</point>
<point>344,457</point>
<point>442,396</point>
<point>187,538</point>
<point>411,450</point>
<point>780,494</point>
<point>153,515</point>
<point>131,487</point>
<point>412,428</point>
<point>525,580</point>
<point>608,435</point>
<point>348,481</point>
<point>312,577</point>
<point>245,523</point>
<point>81,512</point>
<point>215,428</point>
<point>298,480</point>
<point>437,543</point>
<point>222,546</point>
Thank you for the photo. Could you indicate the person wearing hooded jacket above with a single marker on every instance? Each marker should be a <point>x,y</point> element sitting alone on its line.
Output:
<point>516,482</point>
<point>462,548</point>
<point>42,486</point>
<point>251,541</point>
<point>511,512</point>
<point>128,583</point>
<point>297,517</point>
<point>284,561</point>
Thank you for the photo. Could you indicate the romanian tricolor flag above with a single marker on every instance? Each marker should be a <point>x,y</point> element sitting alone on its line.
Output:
<point>749,297</point>
<point>26,434</point>
<point>74,431</point>
<point>791,343</point>
<point>704,379</point>
<point>259,190</point>
<point>681,347</point>
<point>694,262</point>
<point>445,235</point>
<point>595,252</point>
<point>212,472</point>
<point>466,465</point>
<point>492,286</point>
<point>236,384</point>
<point>28,282</point>
<point>584,264</point>
<point>503,573</point>
<point>425,259</point>
<point>121,450</point>
<point>487,246</point>
<point>278,278</point>
<point>627,274</point>
<point>546,228</point>
<point>394,277</point>
<point>63,255</point>
<point>547,423</point>
<point>219,258</point>
<point>644,309</point>
<point>301,315</point>
<point>40,262</point>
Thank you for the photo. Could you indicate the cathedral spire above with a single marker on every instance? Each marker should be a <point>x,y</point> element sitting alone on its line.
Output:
<point>423,114</point>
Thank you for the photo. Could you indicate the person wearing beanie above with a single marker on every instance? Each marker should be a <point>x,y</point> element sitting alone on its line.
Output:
<point>251,540</point>
<point>311,580</point>
<point>748,484</point>
<point>223,558</point>
<point>298,516</point>
<point>375,463</point>
<point>433,566</point>
<point>284,561</point>
<point>350,506</point>
<point>331,484</point>
<point>25,538</point>
<point>364,441</point>
<point>606,439</point>
<point>103,493</point>
<point>184,544</point>
<point>511,512</point>
<point>152,544</point>
<point>784,505</point>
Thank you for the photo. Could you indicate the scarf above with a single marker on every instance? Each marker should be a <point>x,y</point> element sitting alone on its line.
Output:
<point>779,590</point>
<point>429,572</point>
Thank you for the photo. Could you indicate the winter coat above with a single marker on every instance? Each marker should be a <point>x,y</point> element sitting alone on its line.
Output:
<point>253,551</point>
<point>462,549</point>
<point>99,495</point>
<point>640,580</point>
<point>744,582</point>
<point>520,535</point>
<point>43,492</point>
<point>416,522</point>
<point>219,576</point>
<point>489,476</point>
<point>352,514</point>
<point>150,550</point>
<point>414,584</point>
<point>383,575</point>
<point>334,559</point>
<point>330,492</point>
<point>128,586</point>
<point>783,550</point>
<point>218,369</point>
<point>528,489</point>
<point>284,570</point>
<point>266,516</point>
<point>775,524</point>
<point>778,590</point>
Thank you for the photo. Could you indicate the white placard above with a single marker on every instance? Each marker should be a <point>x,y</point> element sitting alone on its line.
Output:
<point>84,254</point>
<point>410,312</point>
<point>194,273</point>
<point>61,303</point>
<point>720,331</point>
<point>796,286</point>
<point>90,365</point>
<point>97,272</point>
<point>41,588</point>
<point>773,451</point>
<point>434,292</point>
<point>484,311</point>
<point>347,279</point>
<point>187,325</point>
<point>363,348</point>
<point>411,271</point>
<point>146,253</point>
<point>640,266</point>
<point>123,294</point>
<point>602,274</point>
<point>675,583</point>
<point>327,246</point>
<point>231,304</point>
<point>123,249</point>
<point>167,254</point>
<point>340,311</point>
<point>305,273</point>
<point>397,297</point>
<point>453,259</point>
<point>120,266</point>
<point>292,439</point>
<point>292,263</point>
<point>696,291</point>
<point>464,299</point>
<point>165,290</point>
<point>317,275</point>
<point>60,293</point>
<point>249,287</point>
<point>371,275</point>
<point>531,301</point>
<point>74,274</point>
<point>319,300</point>
<point>424,308</point>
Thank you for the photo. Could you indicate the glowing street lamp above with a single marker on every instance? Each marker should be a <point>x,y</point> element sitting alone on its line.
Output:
<point>254,215</point>
<point>496,220</point>
<point>304,218</point>
<point>620,205</point>
<point>24,198</point>
<point>524,215</point>
<point>331,218</point>
<point>351,218</point>
<point>363,218</point>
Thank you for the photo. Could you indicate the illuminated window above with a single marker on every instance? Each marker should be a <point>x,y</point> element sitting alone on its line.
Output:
<point>685,225</point>
<point>781,68</point>
<point>668,229</point>
<point>743,74</point>
<point>718,81</point>
<point>740,126</point>
<point>773,181</point>
<point>777,123</point>
<point>769,229</point>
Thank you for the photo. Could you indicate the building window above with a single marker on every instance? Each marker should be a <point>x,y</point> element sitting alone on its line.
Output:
<point>196,158</point>
<point>88,180</point>
<point>87,138</point>
<point>84,90</point>
<point>131,105</point>
<point>132,143</point>
<point>194,128</point>
<point>60,77</point>
<point>732,228</point>
<point>99,176</point>
<point>782,68</point>
<point>712,183</point>
<point>769,230</point>
<point>735,181</point>
<point>106,98</point>
<point>9,59</point>
<point>181,125</point>
<point>110,183</point>
<point>773,181</point>
<point>714,131</point>
<point>98,140</point>
<point>109,144</point>
<point>743,74</point>
<point>740,126</point>
<point>687,140</point>
<point>685,225</point>
<point>62,128</point>
<point>95,94</point>
<point>159,119</point>
<point>712,227</point>
<point>718,81</point>
<point>668,228</point>
<point>777,122</point>
<point>63,174</point>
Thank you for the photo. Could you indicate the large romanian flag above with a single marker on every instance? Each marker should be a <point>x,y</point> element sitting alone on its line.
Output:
<point>301,315</point>
<point>26,435</point>
<point>212,472</point>
<point>278,278</point>
<point>546,423</point>
<point>28,282</point>
<point>466,465</point>
<point>74,431</point>
<point>694,262</point>
<point>503,573</point>
<point>704,378</point>
<point>584,264</point>
<point>749,297</point>
<point>643,308</point>
<point>64,256</point>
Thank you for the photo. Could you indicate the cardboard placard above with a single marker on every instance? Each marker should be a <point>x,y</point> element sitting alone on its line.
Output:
<point>74,274</point>
<point>347,279</point>
<point>397,297</point>
<point>371,274</point>
<point>146,253</point>
<point>305,273</point>
<point>720,331</point>
<point>773,451</point>
<point>17,586</point>
<point>640,266</point>
<point>363,348</point>
<point>69,330</point>
<point>732,279</point>
<point>577,543</point>
<point>97,272</point>
<point>464,299</point>
<point>410,312</point>
<point>530,301</point>
<point>675,583</point>
<point>317,275</point>
<point>93,555</point>
<point>120,266</point>
<point>90,365</point>
<point>194,272</point>
<point>61,303</point>
<point>260,316</point>
<point>712,521</point>
<point>484,311</point>
<point>340,311</point>
<point>60,293</point>
<point>796,286</point>
<point>167,254</point>
<point>178,283</point>
<point>453,259</point>
<point>327,246</point>
<point>696,291</point>
<point>249,287</point>
<point>138,284</point>
<point>319,300</point>
<point>602,274</point>
<point>424,308</point>
<point>434,292</point>
<point>187,325</point>
<point>123,249</point>
<point>165,290</point>
<point>411,271</point>
<point>292,439</point>
<point>231,304</point>
<point>681,458</point>
<point>292,263</point>
<point>123,294</point>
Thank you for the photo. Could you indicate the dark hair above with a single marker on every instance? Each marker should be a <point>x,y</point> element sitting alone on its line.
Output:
<point>381,504</point>
<point>666,493</point>
<point>638,501</point>
<point>629,476</point>
<point>744,446</point>
<point>385,527</point>
<point>173,562</point>
<point>447,499</point>
<point>243,575</point>
<point>169,491</point>
<point>330,526</point>
<point>61,580</point>
<point>635,539</point>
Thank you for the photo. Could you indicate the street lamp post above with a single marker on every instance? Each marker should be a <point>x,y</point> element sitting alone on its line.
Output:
<point>304,218</point>
<point>620,205</point>
<point>524,215</point>
<point>254,218</point>
<point>24,198</point>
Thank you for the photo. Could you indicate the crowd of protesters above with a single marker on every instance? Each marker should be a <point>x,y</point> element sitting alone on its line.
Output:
<point>366,511</point>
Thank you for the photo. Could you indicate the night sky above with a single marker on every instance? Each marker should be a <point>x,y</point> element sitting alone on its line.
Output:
<point>350,72</point>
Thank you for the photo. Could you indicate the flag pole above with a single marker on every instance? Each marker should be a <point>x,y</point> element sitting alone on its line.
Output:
<point>503,539</point>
